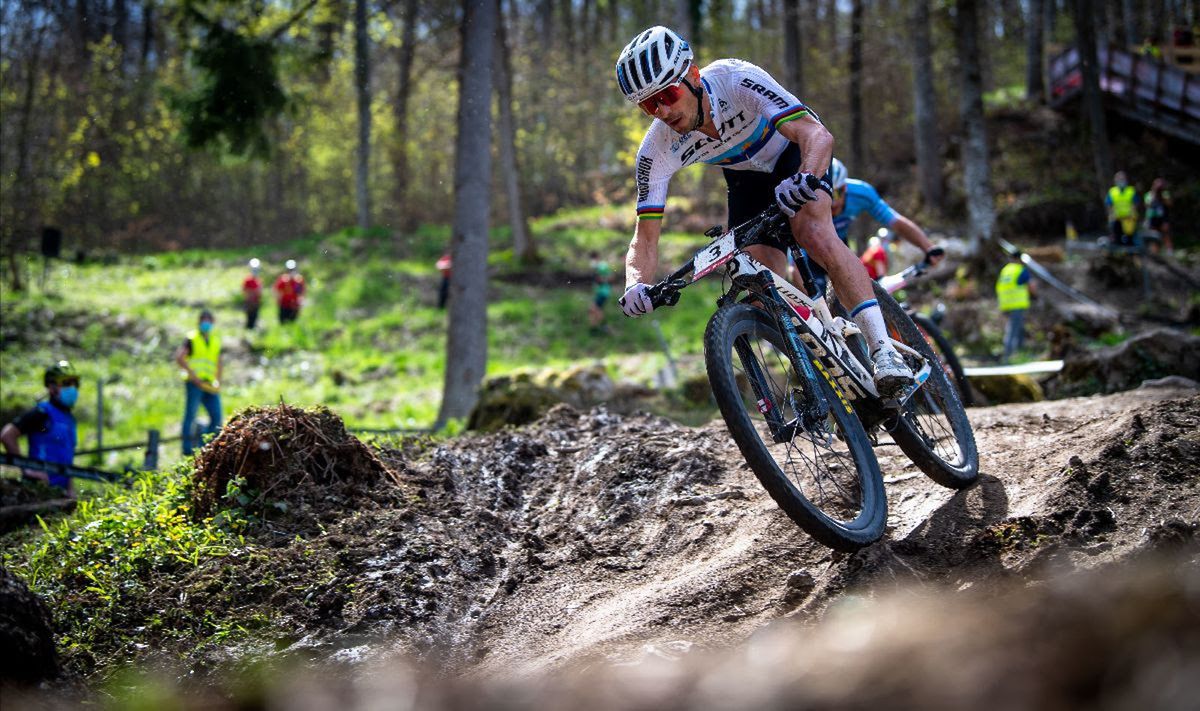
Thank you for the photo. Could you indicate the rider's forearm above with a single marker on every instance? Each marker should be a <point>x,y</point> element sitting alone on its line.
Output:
<point>815,141</point>
<point>642,259</point>
<point>910,232</point>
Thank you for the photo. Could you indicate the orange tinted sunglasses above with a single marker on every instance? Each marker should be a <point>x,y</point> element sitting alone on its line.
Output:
<point>666,97</point>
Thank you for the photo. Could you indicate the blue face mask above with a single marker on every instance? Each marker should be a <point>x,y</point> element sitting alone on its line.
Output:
<point>205,326</point>
<point>68,395</point>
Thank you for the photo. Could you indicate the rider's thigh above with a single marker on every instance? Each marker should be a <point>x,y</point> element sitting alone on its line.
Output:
<point>814,231</point>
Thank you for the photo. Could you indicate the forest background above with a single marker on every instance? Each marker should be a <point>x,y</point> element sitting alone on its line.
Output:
<point>143,126</point>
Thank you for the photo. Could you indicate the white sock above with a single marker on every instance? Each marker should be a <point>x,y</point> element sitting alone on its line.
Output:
<point>870,319</point>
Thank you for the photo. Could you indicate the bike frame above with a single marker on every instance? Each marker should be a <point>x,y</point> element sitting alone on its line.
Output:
<point>816,338</point>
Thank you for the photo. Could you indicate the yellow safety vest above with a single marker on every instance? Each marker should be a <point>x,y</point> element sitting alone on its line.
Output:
<point>1012,296</point>
<point>205,356</point>
<point>1122,201</point>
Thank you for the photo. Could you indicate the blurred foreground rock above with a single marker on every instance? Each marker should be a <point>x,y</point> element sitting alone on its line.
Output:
<point>1121,637</point>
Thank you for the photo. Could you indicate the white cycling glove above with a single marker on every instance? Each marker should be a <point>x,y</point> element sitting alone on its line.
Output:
<point>794,192</point>
<point>636,301</point>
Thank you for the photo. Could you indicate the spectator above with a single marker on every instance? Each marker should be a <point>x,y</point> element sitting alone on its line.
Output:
<point>200,359</point>
<point>1121,202</point>
<point>1014,288</point>
<point>602,282</point>
<point>875,259</point>
<point>49,426</point>
<point>1157,204</point>
<point>443,266</point>
<point>252,294</point>
<point>289,292</point>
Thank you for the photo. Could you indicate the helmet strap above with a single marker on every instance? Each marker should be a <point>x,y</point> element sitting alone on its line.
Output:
<point>698,92</point>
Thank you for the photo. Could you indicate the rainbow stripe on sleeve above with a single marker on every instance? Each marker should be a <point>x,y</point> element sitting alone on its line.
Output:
<point>786,115</point>
<point>651,212</point>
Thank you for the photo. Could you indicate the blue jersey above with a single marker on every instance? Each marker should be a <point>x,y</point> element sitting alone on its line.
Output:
<point>862,196</point>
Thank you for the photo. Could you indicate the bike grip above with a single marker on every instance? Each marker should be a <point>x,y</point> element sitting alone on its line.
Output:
<point>662,294</point>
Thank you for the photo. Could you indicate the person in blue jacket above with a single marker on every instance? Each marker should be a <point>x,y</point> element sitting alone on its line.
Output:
<point>49,426</point>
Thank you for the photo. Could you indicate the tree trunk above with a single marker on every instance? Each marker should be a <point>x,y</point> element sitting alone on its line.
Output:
<point>925,123</point>
<point>1093,102</point>
<point>1034,87</point>
<point>24,211</point>
<point>793,44</point>
<point>405,56</point>
<point>524,248</point>
<point>683,20</point>
<point>857,152</point>
<point>362,90</point>
<point>1132,25</point>
<point>980,208</point>
<point>466,342</point>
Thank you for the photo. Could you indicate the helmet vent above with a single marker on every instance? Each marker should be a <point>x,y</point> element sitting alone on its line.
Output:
<point>645,62</point>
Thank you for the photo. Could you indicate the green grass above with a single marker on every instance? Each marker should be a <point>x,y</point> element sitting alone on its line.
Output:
<point>369,345</point>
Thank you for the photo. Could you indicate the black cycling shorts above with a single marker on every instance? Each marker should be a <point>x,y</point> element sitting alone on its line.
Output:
<point>751,192</point>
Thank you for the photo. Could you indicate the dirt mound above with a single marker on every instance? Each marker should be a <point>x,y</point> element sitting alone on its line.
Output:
<point>284,458</point>
<point>27,653</point>
<point>1148,356</point>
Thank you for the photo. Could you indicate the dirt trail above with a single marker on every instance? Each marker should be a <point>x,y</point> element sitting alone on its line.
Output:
<point>593,537</point>
<point>710,559</point>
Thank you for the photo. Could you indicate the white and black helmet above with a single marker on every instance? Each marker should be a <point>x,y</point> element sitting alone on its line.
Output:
<point>837,175</point>
<point>654,60</point>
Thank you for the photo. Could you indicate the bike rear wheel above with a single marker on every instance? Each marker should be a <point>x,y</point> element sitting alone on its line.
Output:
<point>822,474</point>
<point>945,353</point>
<point>932,427</point>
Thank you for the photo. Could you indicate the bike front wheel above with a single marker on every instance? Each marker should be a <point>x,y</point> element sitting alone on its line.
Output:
<point>821,472</point>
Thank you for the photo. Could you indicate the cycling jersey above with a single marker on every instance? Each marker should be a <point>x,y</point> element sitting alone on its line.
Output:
<point>860,196</point>
<point>747,106</point>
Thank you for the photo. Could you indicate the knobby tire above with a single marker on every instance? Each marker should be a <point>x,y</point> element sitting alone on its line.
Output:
<point>863,488</point>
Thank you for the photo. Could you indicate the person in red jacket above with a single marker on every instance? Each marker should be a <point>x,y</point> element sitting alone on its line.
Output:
<point>252,288</point>
<point>875,259</point>
<point>289,292</point>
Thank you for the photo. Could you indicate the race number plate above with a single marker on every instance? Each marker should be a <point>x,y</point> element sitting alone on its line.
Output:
<point>714,255</point>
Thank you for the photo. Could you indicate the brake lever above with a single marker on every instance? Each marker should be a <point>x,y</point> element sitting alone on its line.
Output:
<point>666,292</point>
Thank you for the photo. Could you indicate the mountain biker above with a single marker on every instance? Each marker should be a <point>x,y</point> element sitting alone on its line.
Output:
<point>770,146</point>
<point>50,426</point>
<point>852,197</point>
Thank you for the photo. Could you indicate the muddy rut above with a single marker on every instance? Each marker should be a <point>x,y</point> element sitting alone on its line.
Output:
<point>595,538</point>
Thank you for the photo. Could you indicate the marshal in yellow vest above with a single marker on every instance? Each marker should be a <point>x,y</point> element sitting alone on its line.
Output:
<point>1012,296</point>
<point>205,356</point>
<point>1122,201</point>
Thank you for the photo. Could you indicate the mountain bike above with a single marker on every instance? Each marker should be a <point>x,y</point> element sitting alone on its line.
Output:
<point>937,340</point>
<point>794,385</point>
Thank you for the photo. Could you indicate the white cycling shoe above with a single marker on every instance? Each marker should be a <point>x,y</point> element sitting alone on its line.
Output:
<point>892,376</point>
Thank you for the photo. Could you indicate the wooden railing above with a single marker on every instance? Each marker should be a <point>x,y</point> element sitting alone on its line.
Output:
<point>1137,86</point>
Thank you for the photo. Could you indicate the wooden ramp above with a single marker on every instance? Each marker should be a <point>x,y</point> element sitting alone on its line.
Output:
<point>1136,86</point>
